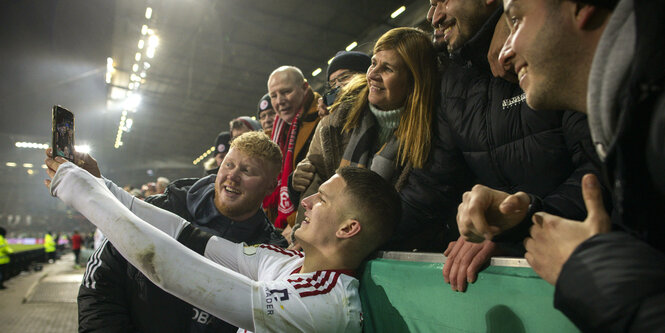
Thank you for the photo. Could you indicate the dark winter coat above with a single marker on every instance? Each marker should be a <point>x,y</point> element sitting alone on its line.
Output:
<point>616,282</point>
<point>486,134</point>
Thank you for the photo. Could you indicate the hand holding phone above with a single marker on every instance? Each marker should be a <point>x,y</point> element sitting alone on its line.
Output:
<point>63,133</point>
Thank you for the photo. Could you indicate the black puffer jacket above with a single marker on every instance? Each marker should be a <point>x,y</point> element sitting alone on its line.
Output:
<point>117,297</point>
<point>504,144</point>
<point>614,282</point>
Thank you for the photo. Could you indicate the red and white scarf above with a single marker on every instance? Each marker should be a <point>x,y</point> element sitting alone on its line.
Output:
<point>280,197</point>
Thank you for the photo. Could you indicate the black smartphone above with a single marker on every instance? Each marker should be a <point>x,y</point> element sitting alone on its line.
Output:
<point>330,96</point>
<point>63,133</point>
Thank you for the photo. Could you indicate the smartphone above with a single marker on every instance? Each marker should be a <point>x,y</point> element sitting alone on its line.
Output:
<point>330,96</point>
<point>63,133</point>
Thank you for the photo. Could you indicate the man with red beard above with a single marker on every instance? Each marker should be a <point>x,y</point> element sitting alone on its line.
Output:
<point>297,117</point>
<point>115,296</point>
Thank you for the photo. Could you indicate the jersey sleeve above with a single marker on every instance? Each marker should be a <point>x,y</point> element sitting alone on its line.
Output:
<point>167,263</point>
<point>159,218</point>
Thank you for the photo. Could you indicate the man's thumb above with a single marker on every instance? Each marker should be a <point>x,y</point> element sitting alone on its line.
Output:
<point>593,200</point>
<point>517,203</point>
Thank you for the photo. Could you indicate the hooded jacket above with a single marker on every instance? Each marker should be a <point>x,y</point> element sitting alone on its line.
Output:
<point>614,282</point>
<point>117,297</point>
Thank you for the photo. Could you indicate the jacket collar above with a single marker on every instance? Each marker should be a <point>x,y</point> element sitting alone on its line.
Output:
<point>474,51</point>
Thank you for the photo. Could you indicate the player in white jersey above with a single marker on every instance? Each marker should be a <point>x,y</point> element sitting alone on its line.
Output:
<point>263,289</point>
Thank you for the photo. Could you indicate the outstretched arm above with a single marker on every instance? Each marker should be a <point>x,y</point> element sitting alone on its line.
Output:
<point>167,263</point>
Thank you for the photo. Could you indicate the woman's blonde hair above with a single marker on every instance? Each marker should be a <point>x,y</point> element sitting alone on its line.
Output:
<point>415,127</point>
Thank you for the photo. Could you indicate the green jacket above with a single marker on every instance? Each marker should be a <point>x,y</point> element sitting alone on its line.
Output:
<point>5,251</point>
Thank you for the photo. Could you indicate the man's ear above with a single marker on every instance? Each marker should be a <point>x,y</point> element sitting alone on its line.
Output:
<point>272,185</point>
<point>305,85</point>
<point>348,229</point>
<point>587,16</point>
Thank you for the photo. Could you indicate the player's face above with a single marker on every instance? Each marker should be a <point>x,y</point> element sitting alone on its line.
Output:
<point>286,95</point>
<point>541,48</point>
<point>241,184</point>
<point>323,213</point>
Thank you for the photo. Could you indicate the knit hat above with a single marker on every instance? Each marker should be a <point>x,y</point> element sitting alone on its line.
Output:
<point>222,143</point>
<point>250,123</point>
<point>354,61</point>
<point>264,104</point>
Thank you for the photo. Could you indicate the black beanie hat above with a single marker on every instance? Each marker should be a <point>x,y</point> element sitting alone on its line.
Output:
<point>352,60</point>
<point>264,104</point>
<point>222,143</point>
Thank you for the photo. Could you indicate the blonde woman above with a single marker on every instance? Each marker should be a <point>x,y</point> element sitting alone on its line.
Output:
<point>382,119</point>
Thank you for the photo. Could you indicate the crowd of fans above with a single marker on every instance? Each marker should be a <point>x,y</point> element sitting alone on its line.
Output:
<point>529,132</point>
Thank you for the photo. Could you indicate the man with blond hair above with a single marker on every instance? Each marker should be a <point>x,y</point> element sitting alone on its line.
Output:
<point>115,296</point>
<point>297,116</point>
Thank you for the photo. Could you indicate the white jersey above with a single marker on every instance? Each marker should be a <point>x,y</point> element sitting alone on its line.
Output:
<point>253,287</point>
<point>287,301</point>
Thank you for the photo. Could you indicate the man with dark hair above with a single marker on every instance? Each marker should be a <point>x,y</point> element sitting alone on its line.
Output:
<point>257,288</point>
<point>505,146</point>
<point>115,296</point>
<point>580,55</point>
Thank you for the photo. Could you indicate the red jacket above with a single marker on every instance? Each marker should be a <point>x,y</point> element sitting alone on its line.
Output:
<point>76,242</point>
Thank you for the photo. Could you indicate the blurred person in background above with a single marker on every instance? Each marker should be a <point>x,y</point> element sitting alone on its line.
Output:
<point>382,120</point>
<point>297,117</point>
<point>137,193</point>
<point>242,125</point>
<point>344,65</point>
<point>161,183</point>
<point>266,114</point>
<point>5,251</point>
<point>49,247</point>
<point>149,189</point>
<point>76,247</point>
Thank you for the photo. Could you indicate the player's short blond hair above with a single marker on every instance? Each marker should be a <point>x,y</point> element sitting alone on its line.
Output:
<point>258,144</point>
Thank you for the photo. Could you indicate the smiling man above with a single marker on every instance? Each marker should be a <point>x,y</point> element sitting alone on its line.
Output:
<point>297,117</point>
<point>514,154</point>
<point>606,62</point>
<point>115,296</point>
<point>257,288</point>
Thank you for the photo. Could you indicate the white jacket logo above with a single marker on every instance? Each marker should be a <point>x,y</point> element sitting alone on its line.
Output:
<point>509,102</point>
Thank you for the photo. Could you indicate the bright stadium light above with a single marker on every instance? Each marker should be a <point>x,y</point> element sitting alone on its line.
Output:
<point>399,10</point>
<point>351,46</point>
<point>82,149</point>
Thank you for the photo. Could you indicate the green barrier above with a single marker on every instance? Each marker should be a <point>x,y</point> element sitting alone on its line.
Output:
<point>408,296</point>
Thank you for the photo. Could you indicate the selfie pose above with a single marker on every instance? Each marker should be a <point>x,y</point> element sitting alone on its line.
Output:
<point>260,288</point>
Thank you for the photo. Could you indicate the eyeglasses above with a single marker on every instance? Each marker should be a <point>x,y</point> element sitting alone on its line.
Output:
<point>339,80</point>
